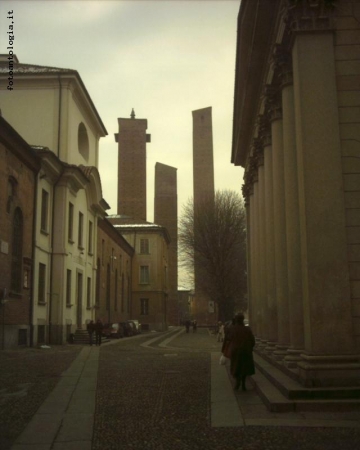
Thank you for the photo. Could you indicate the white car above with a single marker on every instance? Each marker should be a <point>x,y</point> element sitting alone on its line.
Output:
<point>137,325</point>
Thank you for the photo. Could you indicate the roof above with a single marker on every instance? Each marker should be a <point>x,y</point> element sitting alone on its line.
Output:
<point>23,70</point>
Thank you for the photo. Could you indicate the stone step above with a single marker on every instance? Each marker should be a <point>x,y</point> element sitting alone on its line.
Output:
<point>281,393</point>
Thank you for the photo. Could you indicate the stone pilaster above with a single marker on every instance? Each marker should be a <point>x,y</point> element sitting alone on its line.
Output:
<point>329,357</point>
<point>296,312</point>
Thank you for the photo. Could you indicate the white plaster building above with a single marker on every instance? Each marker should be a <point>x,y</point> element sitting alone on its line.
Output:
<point>52,110</point>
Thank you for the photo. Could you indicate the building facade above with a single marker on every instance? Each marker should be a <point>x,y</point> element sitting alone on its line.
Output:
<point>19,167</point>
<point>150,280</point>
<point>165,214</point>
<point>53,111</point>
<point>296,133</point>
<point>113,301</point>
<point>204,188</point>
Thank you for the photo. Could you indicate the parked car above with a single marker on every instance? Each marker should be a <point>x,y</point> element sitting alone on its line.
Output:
<point>128,329</point>
<point>136,324</point>
<point>113,330</point>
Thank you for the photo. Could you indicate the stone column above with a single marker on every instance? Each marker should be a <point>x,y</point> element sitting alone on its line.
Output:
<point>256,252</point>
<point>296,312</point>
<point>280,230</point>
<point>262,300</point>
<point>269,251</point>
<point>252,253</point>
<point>329,342</point>
<point>246,189</point>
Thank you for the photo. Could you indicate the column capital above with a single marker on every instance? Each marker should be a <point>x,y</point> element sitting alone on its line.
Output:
<point>258,152</point>
<point>273,102</point>
<point>282,62</point>
<point>309,15</point>
<point>264,129</point>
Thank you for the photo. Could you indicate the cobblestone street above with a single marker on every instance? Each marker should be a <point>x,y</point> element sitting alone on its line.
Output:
<point>153,392</point>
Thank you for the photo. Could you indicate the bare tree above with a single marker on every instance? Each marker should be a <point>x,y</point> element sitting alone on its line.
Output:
<point>214,239</point>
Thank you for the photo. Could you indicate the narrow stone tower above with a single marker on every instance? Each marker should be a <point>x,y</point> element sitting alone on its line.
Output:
<point>132,139</point>
<point>203,170</point>
<point>165,214</point>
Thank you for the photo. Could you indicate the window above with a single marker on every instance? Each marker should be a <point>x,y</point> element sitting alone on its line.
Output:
<point>26,278</point>
<point>144,306</point>
<point>44,210</point>
<point>83,141</point>
<point>71,223</point>
<point>122,292</point>
<point>144,246</point>
<point>16,252</point>
<point>144,275</point>
<point>108,288</point>
<point>80,230</point>
<point>90,243</point>
<point>116,290</point>
<point>11,193</point>
<point>88,293</point>
<point>97,297</point>
<point>68,287</point>
<point>41,284</point>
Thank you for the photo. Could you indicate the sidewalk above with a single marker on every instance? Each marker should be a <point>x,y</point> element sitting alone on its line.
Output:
<point>65,420</point>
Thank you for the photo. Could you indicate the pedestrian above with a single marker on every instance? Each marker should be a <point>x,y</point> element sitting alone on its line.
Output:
<point>98,331</point>
<point>194,324</point>
<point>221,332</point>
<point>242,342</point>
<point>187,325</point>
<point>90,329</point>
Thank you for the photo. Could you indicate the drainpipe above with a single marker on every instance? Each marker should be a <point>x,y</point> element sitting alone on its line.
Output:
<point>31,310</point>
<point>53,218</point>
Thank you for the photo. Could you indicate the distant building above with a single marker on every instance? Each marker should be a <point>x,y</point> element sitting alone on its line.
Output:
<point>150,284</point>
<point>204,188</point>
<point>19,167</point>
<point>297,134</point>
<point>113,302</point>
<point>165,214</point>
<point>186,304</point>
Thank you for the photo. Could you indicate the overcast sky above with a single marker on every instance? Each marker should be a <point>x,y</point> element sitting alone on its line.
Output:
<point>163,58</point>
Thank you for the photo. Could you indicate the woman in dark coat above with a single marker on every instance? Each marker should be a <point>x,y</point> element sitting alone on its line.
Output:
<point>241,348</point>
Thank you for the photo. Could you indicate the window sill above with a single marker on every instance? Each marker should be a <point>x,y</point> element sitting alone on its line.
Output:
<point>88,308</point>
<point>44,232</point>
<point>90,253</point>
<point>42,303</point>
<point>80,247</point>
<point>69,305</point>
<point>15,294</point>
<point>70,241</point>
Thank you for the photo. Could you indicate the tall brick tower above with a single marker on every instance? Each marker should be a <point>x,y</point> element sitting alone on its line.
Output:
<point>165,214</point>
<point>132,139</point>
<point>203,170</point>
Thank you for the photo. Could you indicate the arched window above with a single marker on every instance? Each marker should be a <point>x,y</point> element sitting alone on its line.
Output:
<point>83,141</point>
<point>11,187</point>
<point>16,251</point>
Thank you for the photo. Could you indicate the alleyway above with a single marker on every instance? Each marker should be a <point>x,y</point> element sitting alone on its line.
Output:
<point>167,392</point>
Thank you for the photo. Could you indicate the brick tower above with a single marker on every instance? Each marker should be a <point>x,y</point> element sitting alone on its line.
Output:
<point>165,214</point>
<point>132,139</point>
<point>203,170</point>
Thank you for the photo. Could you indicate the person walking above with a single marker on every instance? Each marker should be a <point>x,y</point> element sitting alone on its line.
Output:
<point>98,331</point>
<point>242,342</point>
<point>90,329</point>
<point>187,325</point>
<point>221,332</point>
<point>194,324</point>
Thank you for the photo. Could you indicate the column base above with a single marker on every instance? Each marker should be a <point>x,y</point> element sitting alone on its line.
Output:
<point>270,348</point>
<point>262,343</point>
<point>293,357</point>
<point>280,352</point>
<point>323,371</point>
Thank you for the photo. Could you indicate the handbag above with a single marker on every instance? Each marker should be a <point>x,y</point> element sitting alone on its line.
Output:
<point>222,360</point>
